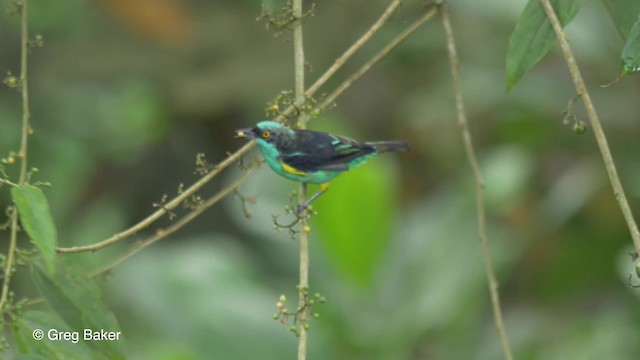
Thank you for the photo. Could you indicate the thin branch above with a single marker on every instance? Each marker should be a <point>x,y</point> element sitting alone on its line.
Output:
<point>355,47</point>
<point>298,52</point>
<point>22,155</point>
<point>598,132</point>
<point>239,153</point>
<point>175,226</point>
<point>477,176</point>
<point>26,115</point>
<point>164,209</point>
<point>303,285</point>
<point>164,233</point>
<point>377,57</point>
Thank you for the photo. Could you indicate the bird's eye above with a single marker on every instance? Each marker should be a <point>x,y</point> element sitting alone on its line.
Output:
<point>266,134</point>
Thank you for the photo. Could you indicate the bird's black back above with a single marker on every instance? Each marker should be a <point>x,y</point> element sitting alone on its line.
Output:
<point>312,151</point>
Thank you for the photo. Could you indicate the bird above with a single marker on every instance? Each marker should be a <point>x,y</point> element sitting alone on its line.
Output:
<point>313,157</point>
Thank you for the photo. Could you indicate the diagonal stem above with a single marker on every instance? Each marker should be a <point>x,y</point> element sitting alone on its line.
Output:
<point>164,209</point>
<point>377,57</point>
<point>477,176</point>
<point>355,47</point>
<point>598,131</point>
<point>175,226</point>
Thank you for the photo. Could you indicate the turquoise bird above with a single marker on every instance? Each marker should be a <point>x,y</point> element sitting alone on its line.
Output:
<point>313,157</point>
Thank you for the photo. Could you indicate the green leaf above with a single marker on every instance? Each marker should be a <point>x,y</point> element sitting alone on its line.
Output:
<point>36,218</point>
<point>624,13</point>
<point>78,301</point>
<point>534,36</point>
<point>354,218</point>
<point>31,321</point>
<point>29,357</point>
<point>630,59</point>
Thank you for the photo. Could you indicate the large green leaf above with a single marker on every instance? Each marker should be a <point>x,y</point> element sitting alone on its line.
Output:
<point>624,13</point>
<point>31,321</point>
<point>534,36</point>
<point>354,218</point>
<point>36,218</point>
<point>630,59</point>
<point>78,301</point>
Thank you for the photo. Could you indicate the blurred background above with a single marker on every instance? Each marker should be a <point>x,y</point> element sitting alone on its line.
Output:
<point>125,94</point>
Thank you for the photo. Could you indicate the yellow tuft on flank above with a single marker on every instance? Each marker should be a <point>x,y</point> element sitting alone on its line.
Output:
<point>291,170</point>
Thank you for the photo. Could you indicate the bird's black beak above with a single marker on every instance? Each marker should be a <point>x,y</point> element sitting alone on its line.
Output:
<point>245,133</point>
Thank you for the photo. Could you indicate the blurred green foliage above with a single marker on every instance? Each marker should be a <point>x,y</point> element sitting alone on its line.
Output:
<point>119,113</point>
<point>355,225</point>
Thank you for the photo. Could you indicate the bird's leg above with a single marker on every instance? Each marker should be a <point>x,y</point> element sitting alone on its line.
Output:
<point>323,189</point>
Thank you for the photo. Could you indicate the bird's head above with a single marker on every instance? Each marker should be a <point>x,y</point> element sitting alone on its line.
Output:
<point>266,132</point>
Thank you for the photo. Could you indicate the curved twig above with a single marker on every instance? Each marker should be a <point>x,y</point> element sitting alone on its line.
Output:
<point>477,176</point>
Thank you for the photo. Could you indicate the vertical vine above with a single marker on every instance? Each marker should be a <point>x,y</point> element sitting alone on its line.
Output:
<point>22,155</point>
<point>479,182</point>
<point>303,285</point>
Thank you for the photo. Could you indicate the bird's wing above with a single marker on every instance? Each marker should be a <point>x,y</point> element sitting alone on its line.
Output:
<point>315,151</point>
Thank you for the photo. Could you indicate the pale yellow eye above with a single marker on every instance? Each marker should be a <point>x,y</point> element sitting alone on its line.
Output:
<point>266,134</point>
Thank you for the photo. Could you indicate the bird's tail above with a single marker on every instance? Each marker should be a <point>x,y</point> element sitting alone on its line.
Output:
<point>390,146</point>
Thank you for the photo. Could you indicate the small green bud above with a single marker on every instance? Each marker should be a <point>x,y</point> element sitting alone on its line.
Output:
<point>38,42</point>
<point>317,296</point>
<point>11,81</point>
<point>306,326</point>
<point>323,300</point>
<point>276,316</point>
<point>283,298</point>
<point>311,301</point>
<point>579,127</point>
<point>316,315</point>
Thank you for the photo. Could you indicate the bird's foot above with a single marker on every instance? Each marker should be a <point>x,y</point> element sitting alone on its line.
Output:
<point>289,226</point>
<point>300,209</point>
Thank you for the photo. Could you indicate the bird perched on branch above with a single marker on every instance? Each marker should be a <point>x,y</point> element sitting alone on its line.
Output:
<point>311,156</point>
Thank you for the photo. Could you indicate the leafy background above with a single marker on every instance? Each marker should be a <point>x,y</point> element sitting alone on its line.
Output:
<point>124,94</point>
